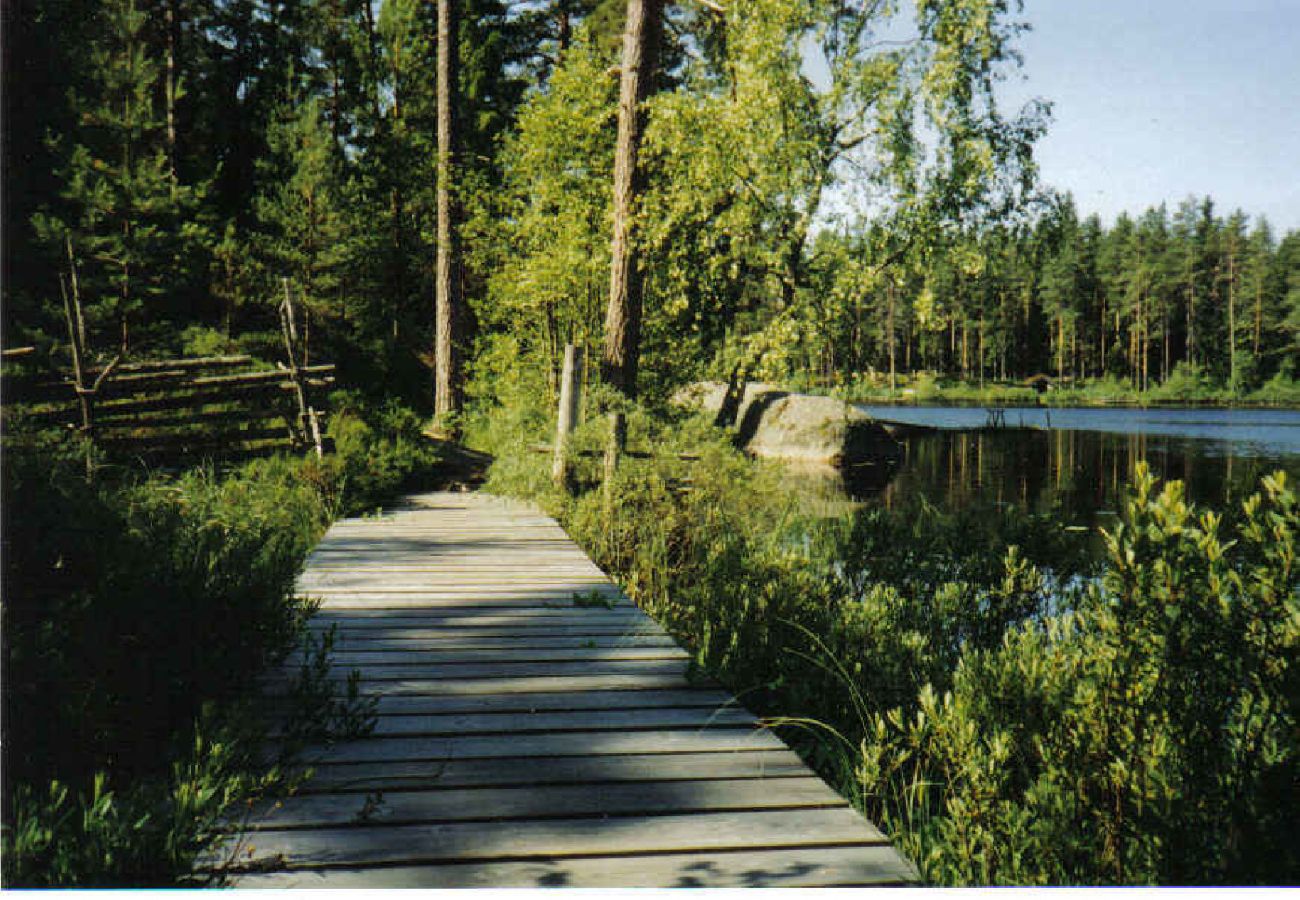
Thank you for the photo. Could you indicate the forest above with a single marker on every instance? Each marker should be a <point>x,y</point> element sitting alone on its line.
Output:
<point>814,193</point>
<point>191,155</point>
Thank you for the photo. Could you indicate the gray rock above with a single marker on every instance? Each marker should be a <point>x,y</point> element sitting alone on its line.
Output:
<point>781,425</point>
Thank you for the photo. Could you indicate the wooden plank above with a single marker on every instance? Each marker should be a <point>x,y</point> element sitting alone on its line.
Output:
<point>443,580</point>
<point>472,641</point>
<point>538,684</point>
<point>542,540</point>
<point>188,363</point>
<point>198,417</point>
<point>423,602</point>
<point>460,583</point>
<point>803,867</point>
<point>383,658</point>
<point>172,440</point>
<point>556,722</point>
<point>461,617</point>
<point>540,801</point>
<point>675,667</point>
<point>442,562</point>
<point>487,637</point>
<point>533,839</point>
<point>555,701</point>
<point>175,378</point>
<point>449,773</point>
<point>581,744</point>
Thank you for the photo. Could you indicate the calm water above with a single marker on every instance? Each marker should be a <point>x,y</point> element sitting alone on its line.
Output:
<point>1077,470</point>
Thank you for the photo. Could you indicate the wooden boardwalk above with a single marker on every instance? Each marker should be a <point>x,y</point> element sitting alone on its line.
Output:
<point>535,729</point>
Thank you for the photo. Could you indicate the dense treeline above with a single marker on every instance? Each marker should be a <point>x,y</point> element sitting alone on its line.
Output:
<point>183,158</point>
<point>1218,296</point>
<point>189,161</point>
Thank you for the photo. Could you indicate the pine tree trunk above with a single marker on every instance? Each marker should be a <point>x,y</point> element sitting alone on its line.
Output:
<point>1232,319</point>
<point>623,315</point>
<point>447,387</point>
<point>172,26</point>
<point>893,374</point>
<point>1259,315</point>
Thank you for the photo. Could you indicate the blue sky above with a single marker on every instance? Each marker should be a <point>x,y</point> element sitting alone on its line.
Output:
<point>1158,99</point>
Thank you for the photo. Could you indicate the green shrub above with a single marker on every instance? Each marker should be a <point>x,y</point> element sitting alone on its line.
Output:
<point>1188,383</point>
<point>1147,737</point>
<point>380,452</point>
<point>134,601</point>
<point>1280,390</point>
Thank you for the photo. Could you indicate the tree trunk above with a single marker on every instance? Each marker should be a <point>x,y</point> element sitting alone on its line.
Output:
<point>1232,318</point>
<point>1259,314</point>
<point>893,374</point>
<point>447,387</point>
<point>623,315</point>
<point>172,24</point>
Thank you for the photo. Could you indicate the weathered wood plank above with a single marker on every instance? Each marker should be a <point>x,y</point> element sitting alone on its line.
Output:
<point>485,583</point>
<point>435,601</point>
<point>556,701</point>
<point>579,770</point>
<point>488,636</point>
<point>666,668</point>
<point>540,801</point>
<point>449,841</point>
<point>524,685</point>
<point>556,722</point>
<point>781,868</point>
<point>466,617</point>
<point>581,744</point>
<point>407,657</point>
<point>562,596</point>
<point>481,640</point>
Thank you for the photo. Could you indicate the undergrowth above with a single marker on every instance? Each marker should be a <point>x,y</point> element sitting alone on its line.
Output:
<point>1010,707</point>
<point>140,610</point>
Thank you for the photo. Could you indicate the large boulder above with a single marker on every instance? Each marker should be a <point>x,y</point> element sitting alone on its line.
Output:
<point>781,425</point>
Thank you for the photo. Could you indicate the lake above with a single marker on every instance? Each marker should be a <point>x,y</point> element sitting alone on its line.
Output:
<point>1077,468</point>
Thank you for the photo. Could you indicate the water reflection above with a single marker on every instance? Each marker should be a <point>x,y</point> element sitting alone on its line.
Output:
<point>1077,476</point>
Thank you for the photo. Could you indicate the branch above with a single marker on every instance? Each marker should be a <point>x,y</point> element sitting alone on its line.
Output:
<point>108,370</point>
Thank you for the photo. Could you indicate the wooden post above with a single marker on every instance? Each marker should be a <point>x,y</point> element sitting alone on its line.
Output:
<point>613,450</point>
<point>307,419</point>
<point>570,388</point>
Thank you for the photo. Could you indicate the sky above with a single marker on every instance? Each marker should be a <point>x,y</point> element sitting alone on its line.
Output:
<point>1158,99</point>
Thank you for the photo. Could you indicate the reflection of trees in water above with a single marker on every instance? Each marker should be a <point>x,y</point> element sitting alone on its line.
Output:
<point>1074,474</point>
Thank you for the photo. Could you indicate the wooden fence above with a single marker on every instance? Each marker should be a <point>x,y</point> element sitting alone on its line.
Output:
<point>178,410</point>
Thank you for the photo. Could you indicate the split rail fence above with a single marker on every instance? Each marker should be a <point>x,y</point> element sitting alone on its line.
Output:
<point>161,411</point>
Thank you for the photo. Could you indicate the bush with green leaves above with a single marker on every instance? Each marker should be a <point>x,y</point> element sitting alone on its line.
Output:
<point>1148,736</point>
